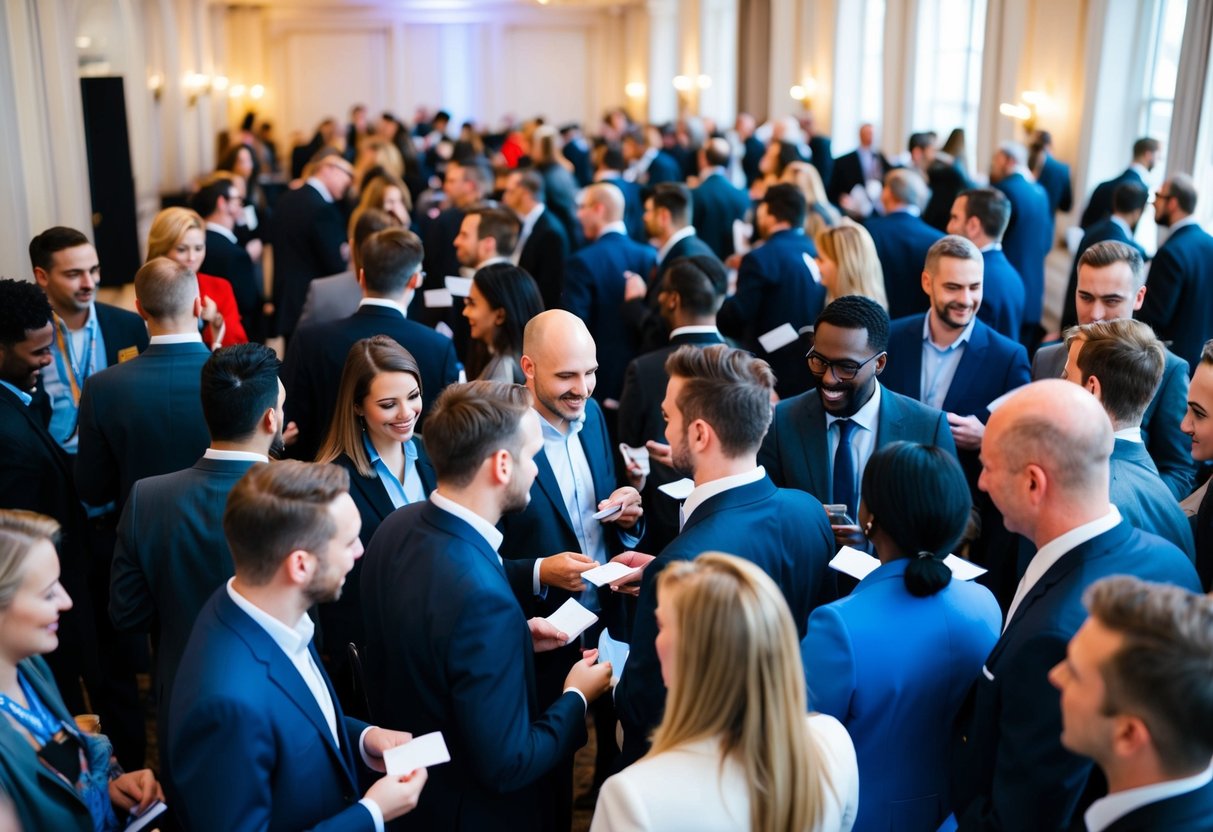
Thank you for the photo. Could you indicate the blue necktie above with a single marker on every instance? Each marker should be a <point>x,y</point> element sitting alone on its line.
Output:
<point>844,468</point>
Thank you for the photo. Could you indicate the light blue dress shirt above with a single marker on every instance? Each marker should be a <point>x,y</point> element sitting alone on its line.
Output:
<point>939,364</point>
<point>86,356</point>
<point>400,493</point>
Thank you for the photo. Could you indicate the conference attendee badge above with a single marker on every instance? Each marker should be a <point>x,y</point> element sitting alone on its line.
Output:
<point>778,338</point>
<point>438,298</point>
<point>459,287</point>
<point>419,752</point>
<point>127,354</point>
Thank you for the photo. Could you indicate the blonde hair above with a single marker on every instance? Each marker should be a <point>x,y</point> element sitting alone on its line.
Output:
<point>805,177</point>
<point>373,193</point>
<point>168,228</point>
<point>851,248</point>
<point>19,531</point>
<point>738,675</point>
<point>377,150</point>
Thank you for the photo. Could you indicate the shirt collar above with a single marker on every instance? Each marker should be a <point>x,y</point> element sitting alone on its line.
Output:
<point>616,227</point>
<point>694,330</point>
<point>383,302</point>
<point>25,397</point>
<point>530,219</point>
<point>1132,434</point>
<point>235,456</point>
<point>497,258</point>
<point>912,210</point>
<point>1107,810</point>
<point>1140,170</point>
<point>704,492</point>
<point>991,247</point>
<point>410,450</point>
<point>291,640</point>
<point>319,186</point>
<point>486,529</point>
<point>1124,226</point>
<point>221,231</point>
<point>680,234</point>
<point>963,339</point>
<point>1051,552</point>
<point>866,416</point>
<point>176,338</point>
<point>551,432</point>
<point>1186,221</point>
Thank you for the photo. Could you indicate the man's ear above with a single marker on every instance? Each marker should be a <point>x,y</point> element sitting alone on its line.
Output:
<point>527,366</point>
<point>139,309</point>
<point>41,276</point>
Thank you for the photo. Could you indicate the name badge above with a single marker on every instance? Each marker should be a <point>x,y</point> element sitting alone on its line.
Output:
<point>127,354</point>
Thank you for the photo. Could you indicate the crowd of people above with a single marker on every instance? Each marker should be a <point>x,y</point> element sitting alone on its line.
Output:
<point>879,552</point>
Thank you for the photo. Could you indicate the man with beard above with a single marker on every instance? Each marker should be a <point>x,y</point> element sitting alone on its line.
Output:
<point>821,441</point>
<point>171,554</point>
<point>448,647</point>
<point>1179,305</point>
<point>257,739</point>
<point>717,408</point>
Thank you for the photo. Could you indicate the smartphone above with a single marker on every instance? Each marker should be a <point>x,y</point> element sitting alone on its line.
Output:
<point>837,513</point>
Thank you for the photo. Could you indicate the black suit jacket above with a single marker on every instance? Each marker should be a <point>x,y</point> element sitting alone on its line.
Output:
<point>848,172</point>
<point>1188,812</point>
<point>649,330</point>
<point>946,181</point>
<point>1179,301</point>
<point>231,262</point>
<point>120,330</point>
<point>1100,205</point>
<point>307,236</point>
<point>901,241</point>
<point>1103,231</point>
<point>141,418</point>
<point>543,257</point>
<point>715,205</point>
<point>821,156</point>
<point>640,420</point>
<point>1055,179</point>
<point>316,357</point>
<point>448,649</point>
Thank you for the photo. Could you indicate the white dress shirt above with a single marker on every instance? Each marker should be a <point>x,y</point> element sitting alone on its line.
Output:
<point>386,303</point>
<point>704,492</point>
<point>680,234</point>
<point>1107,810</point>
<point>176,338</point>
<point>1132,434</point>
<point>242,456</point>
<point>222,231</point>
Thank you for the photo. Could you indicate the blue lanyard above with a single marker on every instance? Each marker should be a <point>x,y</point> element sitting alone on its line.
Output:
<point>37,719</point>
<point>80,368</point>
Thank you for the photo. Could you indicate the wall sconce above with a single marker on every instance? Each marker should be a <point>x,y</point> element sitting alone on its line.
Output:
<point>635,89</point>
<point>688,87</point>
<point>196,84</point>
<point>219,83</point>
<point>237,91</point>
<point>83,42</point>
<point>1028,110</point>
<point>703,81</point>
<point>256,92</point>
<point>155,84</point>
<point>804,92</point>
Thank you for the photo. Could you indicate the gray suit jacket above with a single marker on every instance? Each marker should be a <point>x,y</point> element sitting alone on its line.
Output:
<point>331,298</point>
<point>1169,446</point>
<point>1143,499</point>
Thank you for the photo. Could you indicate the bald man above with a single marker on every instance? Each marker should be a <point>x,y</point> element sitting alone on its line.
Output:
<point>594,282</point>
<point>576,479</point>
<point>718,202</point>
<point>1045,464</point>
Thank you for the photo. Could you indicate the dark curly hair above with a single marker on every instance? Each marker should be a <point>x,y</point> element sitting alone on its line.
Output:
<point>23,307</point>
<point>858,312</point>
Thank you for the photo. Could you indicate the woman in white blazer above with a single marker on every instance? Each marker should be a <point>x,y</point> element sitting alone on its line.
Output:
<point>735,750</point>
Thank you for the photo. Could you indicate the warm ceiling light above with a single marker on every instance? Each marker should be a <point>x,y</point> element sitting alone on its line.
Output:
<point>683,83</point>
<point>237,90</point>
<point>219,83</point>
<point>703,81</point>
<point>1016,111</point>
<point>635,89</point>
<point>798,93</point>
<point>256,91</point>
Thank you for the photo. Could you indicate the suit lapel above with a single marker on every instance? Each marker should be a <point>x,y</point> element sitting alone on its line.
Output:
<point>39,430</point>
<point>546,479</point>
<point>743,495</point>
<point>452,526</point>
<point>374,492</point>
<point>969,367</point>
<point>816,447</point>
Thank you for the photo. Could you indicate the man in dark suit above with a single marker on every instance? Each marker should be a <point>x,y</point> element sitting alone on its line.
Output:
<point>752,147</point>
<point>1121,363</point>
<point>1145,154</point>
<point>718,406</point>
<point>651,164</point>
<point>718,202</point>
<point>308,235</point>
<point>144,417</point>
<point>543,244</point>
<point>1179,304</point>
<point>1029,234</point>
<point>466,183</point>
<point>980,216</point>
<point>257,738</point>
<point>37,476</point>
<point>449,648</point>
<point>862,165</point>
<point>902,239</point>
<point>1137,698</point>
<point>1111,285</point>
<point>595,280</point>
<point>668,212</point>
<point>1045,465</point>
<point>691,293</point>
<point>89,335</point>
<point>1128,204</point>
<point>776,292</point>
<point>219,203</point>
<point>1052,175</point>
<point>171,555</point>
<point>821,441</point>
<point>391,262</point>
<point>945,179</point>
<point>611,168</point>
<point>338,295</point>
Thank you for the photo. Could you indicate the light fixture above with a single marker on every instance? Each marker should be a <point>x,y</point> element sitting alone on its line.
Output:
<point>237,91</point>
<point>84,42</point>
<point>256,92</point>
<point>1028,110</point>
<point>703,81</point>
<point>683,83</point>
<point>219,83</point>
<point>635,89</point>
<point>804,91</point>
<point>155,84</point>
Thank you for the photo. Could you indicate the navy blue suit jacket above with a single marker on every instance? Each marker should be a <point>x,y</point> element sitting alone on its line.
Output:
<point>715,204</point>
<point>1179,300</point>
<point>170,557</point>
<point>633,209</point>
<point>593,291</point>
<point>1169,446</point>
<point>316,358</point>
<point>663,168</point>
<point>307,235</point>
<point>248,745</point>
<point>543,256</point>
<point>898,689</point>
<point>902,240</point>
<point>1011,771</point>
<point>1103,231</point>
<point>1184,813</point>
<point>848,172</point>
<point>795,451</point>
<point>1144,499</point>
<point>783,531</point>
<point>231,262</point>
<point>649,329</point>
<point>1055,179</point>
<point>141,418</point>
<point>448,649</point>
<point>1100,206</point>
<point>120,330</point>
<point>1002,295</point>
<point>1028,238</point>
<point>774,287</point>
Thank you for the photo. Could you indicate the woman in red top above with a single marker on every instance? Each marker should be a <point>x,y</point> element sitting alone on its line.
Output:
<point>180,235</point>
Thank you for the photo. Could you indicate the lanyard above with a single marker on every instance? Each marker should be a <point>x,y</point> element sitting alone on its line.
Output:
<point>39,721</point>
<point>77,369</point>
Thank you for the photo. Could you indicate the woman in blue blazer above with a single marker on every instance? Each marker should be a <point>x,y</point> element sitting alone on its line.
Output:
<point>372,437</point>
<point>894,660</point>
<point>56,776</point>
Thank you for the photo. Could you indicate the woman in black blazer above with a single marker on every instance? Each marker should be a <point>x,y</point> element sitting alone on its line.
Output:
<point>372,437</point>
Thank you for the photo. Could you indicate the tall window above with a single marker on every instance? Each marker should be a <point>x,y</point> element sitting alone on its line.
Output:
<point>951,35</point>
<point>872,64</point>
<point>1166,34</point>
<point>858,70</point>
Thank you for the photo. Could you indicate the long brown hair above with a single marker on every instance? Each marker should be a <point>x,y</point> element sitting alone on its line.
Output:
<point>367,359</point>
<point>738,676</point>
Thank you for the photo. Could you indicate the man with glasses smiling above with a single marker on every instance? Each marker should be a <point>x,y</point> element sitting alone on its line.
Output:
<point>821,440</point>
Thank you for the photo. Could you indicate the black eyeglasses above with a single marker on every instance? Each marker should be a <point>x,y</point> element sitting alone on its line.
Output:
<point>843,370</point>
